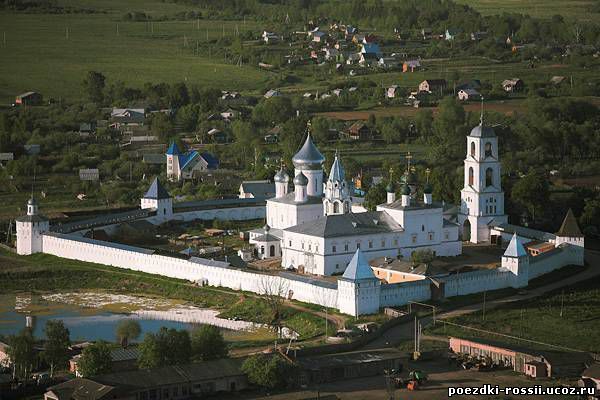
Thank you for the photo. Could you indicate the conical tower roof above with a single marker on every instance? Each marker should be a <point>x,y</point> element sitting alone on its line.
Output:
<point>569,227</point>
<point>358,268</point>
<point>308,156</point>
<point>157,191</point>
<point>515,248</point>
<point>337,173</point>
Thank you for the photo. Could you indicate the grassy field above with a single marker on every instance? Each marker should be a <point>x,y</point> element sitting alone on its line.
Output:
<point>576,9</point>
<point>43,57</point>
<point>540,320</point>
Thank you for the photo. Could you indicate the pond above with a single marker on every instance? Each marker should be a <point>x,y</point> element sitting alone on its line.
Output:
<point>95,315</point>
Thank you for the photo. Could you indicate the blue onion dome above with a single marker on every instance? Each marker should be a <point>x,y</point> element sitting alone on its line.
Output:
<point>32,202</point>
<point>308,156</point>
<point>301,180</point>
<point>428,189</point>
<point>282,176</point>
<point>482,131</point>
<point>405,190</point>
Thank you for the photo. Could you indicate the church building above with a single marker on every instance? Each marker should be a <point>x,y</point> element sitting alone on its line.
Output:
<point>319,234</point>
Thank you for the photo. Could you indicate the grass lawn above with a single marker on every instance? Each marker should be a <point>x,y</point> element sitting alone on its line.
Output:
<point>43,59</point>
<point>540,319</point>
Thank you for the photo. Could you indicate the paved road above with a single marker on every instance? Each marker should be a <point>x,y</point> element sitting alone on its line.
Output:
<point>397,334</point>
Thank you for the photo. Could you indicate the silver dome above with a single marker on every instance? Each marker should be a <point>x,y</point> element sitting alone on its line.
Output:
<point>482,131</point>
<point>282,176</point>
<point>308,156</point>
<point>32,202</point>
<point>301,180</point>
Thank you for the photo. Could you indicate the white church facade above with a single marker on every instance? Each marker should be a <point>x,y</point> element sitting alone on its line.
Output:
<point>315,233</point>
<point>319,233</point>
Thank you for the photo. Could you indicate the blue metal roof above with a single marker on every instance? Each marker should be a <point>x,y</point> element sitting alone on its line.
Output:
<point>173,149</point>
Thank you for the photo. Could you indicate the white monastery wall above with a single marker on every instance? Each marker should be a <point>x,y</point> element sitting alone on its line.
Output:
<point>399,294</point>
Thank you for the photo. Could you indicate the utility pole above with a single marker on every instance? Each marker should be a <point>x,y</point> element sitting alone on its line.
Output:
<point>562,302</point>
<point>483,316</point>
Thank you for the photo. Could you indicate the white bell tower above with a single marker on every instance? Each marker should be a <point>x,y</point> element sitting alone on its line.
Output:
<point>482,198</point>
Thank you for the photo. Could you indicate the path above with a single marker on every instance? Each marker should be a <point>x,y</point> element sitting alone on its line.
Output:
<point>394,336</point>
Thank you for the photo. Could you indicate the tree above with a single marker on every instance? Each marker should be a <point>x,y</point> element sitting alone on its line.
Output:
<point>268,371</point>
<point>166,347</point>
<point>208,343</point>
<point>128,330</point>
<point>422,256</point>
<point>93,85</point>
<point>375,196</point>
<point>274,289</point>
<point>95,360</point>
<point>56,348</point>
<point>162,127</point>
<point>21,353</point>
<point>590,217</point>
<point>531,192</point>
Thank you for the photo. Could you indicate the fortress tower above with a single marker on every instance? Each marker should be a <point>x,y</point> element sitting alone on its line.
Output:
<point>30,228</point>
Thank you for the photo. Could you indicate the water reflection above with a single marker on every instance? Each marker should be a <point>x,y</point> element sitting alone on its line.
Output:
<point>95,323</point>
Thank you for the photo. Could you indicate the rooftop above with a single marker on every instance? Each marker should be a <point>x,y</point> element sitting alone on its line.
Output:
<point>358,268</point>
<point>365,223</point>
<point>157,191</point>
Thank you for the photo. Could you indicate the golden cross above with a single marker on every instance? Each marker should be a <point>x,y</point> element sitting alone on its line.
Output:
<point>408,158</point>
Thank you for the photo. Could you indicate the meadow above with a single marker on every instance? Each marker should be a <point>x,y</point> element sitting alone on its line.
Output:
<point>51,53</point>
<point>566,318</point>
<point>572,9</point>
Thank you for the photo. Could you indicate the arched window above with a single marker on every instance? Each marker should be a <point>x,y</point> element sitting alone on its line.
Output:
<point>471,176</point>
<point>489,177</point>
<point>472,149</point>
<point>336,208</point>
<point>488,149</point>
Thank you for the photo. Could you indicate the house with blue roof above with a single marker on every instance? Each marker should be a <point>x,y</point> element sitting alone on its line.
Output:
<point>182,165</point>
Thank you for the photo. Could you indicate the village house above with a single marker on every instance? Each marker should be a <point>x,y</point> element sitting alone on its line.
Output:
<point>127,117</point>
<point>185,165</point>
<point>411,66</point>
<point>513,85</point>
<point>272,93</point>
<point>590,377</point>
<point>477,36</point>
<point>262,189</point>
<point>319,37</point>
<point>533,363</point>
<point>359,131</point>
<point>368,59</point>
<point>433,86</point>
<point>426,33</point>
<point>469,95</point>
<point>331,53</point>
<point>452,33</point>
<point>87,128</point>
<point>371,48</point>
<point>230,114</point>
<point>391,92</point>
<point>217,135</point>
<point>29,99</point>
<point>173,382</point>
<point>388,62</point>
<point>269,37</point>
